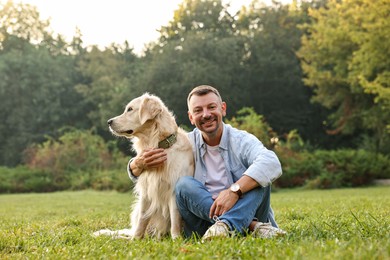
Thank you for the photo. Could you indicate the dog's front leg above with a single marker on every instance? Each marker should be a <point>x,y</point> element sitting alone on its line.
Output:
<point>176,225</point>
<point>142,220</point>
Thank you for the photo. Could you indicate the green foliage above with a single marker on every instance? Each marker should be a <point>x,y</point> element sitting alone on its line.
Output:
<point>318,169</point>
<point>208,16</point>
<point>350,168</point>
<point>20,20</point>
<point>47,83</point>
<point>101,180</point>
<point>178,66</point>
<point>36,88</point>
<point>250,59</point>
<point>77,160</point>
<point>332,169</point>
<point>23,179</point>
<point>345,57</point>
<point>247,119</point>
<point>107,75</point>
<point>297,168</point>
<point>272,78</point>
<point>336,224</point>
<point>75,150</point>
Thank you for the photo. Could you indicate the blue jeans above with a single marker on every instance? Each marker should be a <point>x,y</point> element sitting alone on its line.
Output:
<point>194,202</point>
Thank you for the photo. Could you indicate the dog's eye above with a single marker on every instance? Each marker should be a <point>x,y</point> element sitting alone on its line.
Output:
<point>129,109</point>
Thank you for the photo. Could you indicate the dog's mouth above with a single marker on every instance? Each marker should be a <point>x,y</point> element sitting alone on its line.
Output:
<point>125,133</point>
<point>128,132</point>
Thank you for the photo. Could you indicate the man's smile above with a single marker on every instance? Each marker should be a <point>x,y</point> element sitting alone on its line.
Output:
<point>208,122</point>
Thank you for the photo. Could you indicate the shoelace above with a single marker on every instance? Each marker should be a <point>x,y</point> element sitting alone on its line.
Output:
<point>216,218</point>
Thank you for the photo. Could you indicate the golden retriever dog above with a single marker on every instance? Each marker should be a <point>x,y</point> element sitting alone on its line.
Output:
<point>149,124</point>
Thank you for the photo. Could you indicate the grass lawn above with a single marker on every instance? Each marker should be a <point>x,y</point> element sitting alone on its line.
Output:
<point>321,224</point>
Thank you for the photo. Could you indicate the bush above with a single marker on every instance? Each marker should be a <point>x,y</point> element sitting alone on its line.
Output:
<point>23,179</point>
<point>319,169</point>
<point>332,169</point>
<point>74,151</point>
<point>297,168</point>
<point>247,119</point>
<point>351,168</point>
<point>102,180</point>
<point>78,160</point>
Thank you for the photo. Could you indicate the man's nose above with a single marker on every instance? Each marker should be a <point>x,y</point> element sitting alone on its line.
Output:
<point>206,113</point>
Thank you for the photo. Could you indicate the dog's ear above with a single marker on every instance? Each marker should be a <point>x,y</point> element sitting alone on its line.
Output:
<point>149,109</point>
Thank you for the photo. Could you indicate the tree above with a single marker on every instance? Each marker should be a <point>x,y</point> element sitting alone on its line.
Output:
<point>198,16</point>
<point>198,46</point>
<point>36,91</point>
<point>272,69</point>
<point>23,21</point>
<point>345,57</point>
<point>106,80</point>
<point>201,59</point>
<point>37,97</point>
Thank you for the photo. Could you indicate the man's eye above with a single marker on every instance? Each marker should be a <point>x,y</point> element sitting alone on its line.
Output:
<point>129,109</point>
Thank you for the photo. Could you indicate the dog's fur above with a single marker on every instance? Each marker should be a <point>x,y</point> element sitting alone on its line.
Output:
<point>147,121</point>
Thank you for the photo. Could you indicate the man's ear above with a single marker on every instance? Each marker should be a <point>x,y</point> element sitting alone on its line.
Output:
<point>223,107</point>
<point>149,109</point>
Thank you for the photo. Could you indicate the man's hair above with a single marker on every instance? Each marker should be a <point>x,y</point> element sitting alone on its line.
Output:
<point>201,91</point>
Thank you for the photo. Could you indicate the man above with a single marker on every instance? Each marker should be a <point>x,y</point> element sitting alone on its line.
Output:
<point>230,190</point>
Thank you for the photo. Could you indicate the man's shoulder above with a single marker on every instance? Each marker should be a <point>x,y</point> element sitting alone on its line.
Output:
<point>192,132</point>
<point>239,137</point>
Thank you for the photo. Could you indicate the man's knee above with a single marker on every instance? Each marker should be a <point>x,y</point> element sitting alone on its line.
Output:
<point>184,184</point>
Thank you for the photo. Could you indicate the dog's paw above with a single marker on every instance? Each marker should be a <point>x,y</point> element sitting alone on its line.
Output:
<point>103,232</point>
<point>175,236</point>
<point>123,233</point>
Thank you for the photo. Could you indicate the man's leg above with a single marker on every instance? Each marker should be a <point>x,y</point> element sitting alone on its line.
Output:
<point>194,203</point>
<point>253,203</point>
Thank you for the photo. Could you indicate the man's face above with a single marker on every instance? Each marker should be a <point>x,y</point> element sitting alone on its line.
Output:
<point>206,112</point>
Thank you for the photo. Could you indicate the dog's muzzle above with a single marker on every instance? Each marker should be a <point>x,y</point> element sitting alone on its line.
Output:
<point>109,122</point>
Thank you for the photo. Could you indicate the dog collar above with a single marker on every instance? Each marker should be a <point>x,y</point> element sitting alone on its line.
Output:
<point>167,142</point>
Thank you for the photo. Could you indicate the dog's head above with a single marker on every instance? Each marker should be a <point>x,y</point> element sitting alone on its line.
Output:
<point>137,113</point>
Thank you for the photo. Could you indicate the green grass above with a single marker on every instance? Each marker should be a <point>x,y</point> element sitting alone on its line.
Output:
<point>330,224</point>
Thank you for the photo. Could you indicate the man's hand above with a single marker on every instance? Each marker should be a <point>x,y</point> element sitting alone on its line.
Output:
<point>223,203</point>
<point>227,199</point>
<point>149,159</point>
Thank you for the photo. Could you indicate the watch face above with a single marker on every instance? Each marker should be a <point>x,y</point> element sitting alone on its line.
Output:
<point>235,187</point>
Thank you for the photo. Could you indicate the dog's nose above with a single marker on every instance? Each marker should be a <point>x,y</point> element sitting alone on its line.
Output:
<point>109,121</point>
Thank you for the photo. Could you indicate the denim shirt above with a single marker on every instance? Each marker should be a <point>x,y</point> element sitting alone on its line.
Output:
<point>242,153</point>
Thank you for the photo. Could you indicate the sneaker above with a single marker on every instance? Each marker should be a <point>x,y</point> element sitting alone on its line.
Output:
<point>219,229</point>
<point>266,230</point>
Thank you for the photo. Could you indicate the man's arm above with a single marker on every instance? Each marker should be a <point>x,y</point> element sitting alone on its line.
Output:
<point>264,165</point>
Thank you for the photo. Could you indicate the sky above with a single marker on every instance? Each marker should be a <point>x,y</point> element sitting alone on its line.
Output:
<point>103,22</point>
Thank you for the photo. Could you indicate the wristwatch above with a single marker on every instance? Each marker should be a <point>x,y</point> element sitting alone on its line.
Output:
<point>236,189</point>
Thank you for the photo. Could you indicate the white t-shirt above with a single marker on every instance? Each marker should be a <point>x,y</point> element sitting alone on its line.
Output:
<point>216,178</point>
